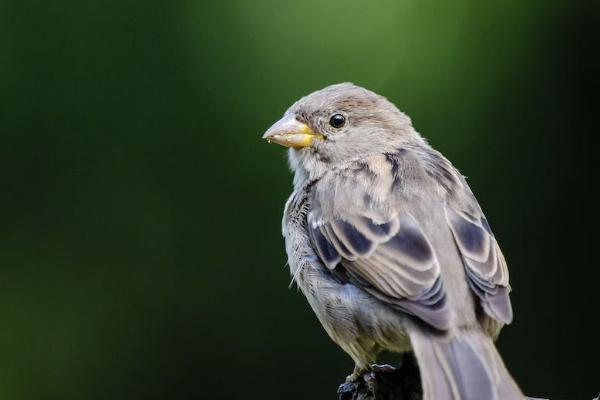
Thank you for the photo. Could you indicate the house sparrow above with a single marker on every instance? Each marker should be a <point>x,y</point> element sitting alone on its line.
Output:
<point>389,245</point>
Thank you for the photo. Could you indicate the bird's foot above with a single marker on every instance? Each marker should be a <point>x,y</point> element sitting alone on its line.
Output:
<point>368,374</point>
<point>376,374</point>
<point>356,375</point>
<point>365,380</point>
<point>385,382</point>
<point>382,369</point>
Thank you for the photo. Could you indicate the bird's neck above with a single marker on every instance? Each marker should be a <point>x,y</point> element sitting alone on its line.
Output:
<point>307,166</point>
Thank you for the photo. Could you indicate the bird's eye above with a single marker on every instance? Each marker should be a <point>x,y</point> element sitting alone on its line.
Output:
<point>337,120</point>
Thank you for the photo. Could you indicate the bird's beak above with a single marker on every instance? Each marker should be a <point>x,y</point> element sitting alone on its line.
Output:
<point>290,132</point>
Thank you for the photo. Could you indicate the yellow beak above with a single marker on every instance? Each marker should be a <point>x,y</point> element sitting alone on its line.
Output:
<point>290,132</point>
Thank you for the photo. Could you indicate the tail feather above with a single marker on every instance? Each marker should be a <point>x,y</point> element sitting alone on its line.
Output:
<point>462,367</point>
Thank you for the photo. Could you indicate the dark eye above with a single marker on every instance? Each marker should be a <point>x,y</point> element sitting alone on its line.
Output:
<point>337,120</point>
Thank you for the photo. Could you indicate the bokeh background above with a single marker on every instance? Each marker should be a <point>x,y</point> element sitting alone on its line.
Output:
<point>140,247</point>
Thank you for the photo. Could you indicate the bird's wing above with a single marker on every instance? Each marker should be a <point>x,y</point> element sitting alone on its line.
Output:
<point>385,241</point>
<point>354,226</point>
<point>394,261</point>
<point>484,263</point>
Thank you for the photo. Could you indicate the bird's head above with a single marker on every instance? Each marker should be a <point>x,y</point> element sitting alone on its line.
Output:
<point>337,124</point>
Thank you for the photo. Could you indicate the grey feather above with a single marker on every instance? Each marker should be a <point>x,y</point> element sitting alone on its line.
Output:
<point>484,263</point>
<point>462,367</point>
<point>391,249</point>
<point>398,265</point>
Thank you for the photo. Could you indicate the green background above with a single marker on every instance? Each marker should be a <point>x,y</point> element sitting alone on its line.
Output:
<point>140,247</point>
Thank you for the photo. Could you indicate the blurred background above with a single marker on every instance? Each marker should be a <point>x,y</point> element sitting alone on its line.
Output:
<point>140,246</point>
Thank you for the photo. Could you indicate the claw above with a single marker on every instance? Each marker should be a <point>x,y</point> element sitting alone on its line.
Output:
<point>385,368</point>
<point>357,374</point>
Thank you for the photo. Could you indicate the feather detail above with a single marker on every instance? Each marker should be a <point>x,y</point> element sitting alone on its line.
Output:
<point>393,261</point>
<point>485,266</point>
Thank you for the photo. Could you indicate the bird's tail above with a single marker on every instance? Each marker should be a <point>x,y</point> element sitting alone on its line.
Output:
<point>466,366</point>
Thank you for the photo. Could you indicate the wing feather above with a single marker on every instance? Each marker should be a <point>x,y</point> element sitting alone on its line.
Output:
<point>393,258</point>
<point>363,226</point>
<point>485,266</point>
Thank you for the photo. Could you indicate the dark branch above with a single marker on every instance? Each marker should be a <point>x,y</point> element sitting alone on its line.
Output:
<point>386,383</point>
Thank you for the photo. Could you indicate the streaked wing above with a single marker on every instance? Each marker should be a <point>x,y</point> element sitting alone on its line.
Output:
<point>485,266</point>
<point>393,260</point>
<point>484,263</point>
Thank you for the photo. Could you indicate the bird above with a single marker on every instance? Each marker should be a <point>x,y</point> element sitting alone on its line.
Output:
<point>389,245</point>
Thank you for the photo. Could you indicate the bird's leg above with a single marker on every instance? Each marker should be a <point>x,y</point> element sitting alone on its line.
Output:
<point>366,363</point>
<point>357,373</point>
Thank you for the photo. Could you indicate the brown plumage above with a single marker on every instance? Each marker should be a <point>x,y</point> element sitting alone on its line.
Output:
<point>389,245</point>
